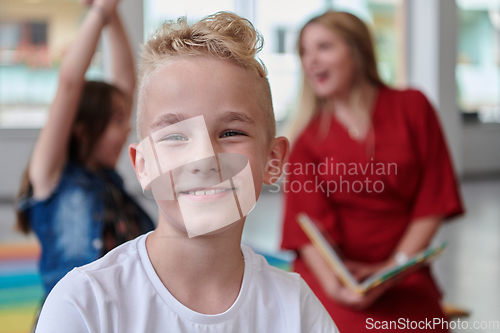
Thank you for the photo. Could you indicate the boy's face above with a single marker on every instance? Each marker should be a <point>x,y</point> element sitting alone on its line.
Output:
<point>206,153</point>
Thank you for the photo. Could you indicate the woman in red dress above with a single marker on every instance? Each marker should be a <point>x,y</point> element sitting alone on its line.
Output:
<point>371,165</point>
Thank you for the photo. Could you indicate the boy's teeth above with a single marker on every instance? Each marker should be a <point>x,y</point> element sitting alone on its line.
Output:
<point>208,192</point>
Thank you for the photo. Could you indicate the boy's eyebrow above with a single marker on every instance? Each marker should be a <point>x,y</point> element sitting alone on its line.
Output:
<point>230,116</point>
<point>226,117</point>
<point>166,120</point>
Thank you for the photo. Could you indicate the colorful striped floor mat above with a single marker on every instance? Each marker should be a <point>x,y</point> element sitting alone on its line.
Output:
<point>20,287</point>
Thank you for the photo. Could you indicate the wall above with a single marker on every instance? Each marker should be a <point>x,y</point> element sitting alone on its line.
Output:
<point>431,59</point>
<point>481,146</point>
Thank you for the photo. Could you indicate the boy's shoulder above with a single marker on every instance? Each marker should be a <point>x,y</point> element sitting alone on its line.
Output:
<point>107,278</point>
<point>286,292</point>
<point>123,255</point>
<point>264,272</point>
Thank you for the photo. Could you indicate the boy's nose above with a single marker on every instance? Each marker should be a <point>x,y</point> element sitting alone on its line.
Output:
<point>205,166</point>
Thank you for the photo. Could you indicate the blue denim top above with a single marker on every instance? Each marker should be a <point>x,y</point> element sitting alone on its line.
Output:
<point>69,223</point>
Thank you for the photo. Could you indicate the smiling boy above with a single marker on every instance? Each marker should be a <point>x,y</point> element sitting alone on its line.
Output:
<point>206,141</point>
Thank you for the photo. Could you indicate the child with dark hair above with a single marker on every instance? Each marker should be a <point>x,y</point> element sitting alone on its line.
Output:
<point>71,196</point>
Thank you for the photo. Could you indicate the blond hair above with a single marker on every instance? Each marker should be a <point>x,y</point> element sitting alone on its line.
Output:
<point>223,35</point>
<point>358,38</point>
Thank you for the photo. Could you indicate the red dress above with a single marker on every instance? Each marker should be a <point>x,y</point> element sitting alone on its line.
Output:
<point>366,193</point>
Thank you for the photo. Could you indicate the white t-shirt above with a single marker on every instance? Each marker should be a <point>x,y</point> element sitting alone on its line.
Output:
<point>122,293</point>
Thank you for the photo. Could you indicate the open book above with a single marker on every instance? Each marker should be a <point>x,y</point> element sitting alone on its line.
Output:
<point>333,258</point>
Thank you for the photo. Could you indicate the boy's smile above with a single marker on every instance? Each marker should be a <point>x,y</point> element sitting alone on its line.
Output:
<point>209,143</point>
<point>206,194</point>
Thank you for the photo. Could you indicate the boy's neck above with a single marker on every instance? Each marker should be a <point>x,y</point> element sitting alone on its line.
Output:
<point>203,273</point>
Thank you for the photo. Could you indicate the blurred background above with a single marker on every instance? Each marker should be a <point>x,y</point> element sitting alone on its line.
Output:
<point>448,49</point>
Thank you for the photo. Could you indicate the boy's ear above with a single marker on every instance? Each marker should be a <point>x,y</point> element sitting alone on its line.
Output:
<point>139,163</point>
<point>278,155</point>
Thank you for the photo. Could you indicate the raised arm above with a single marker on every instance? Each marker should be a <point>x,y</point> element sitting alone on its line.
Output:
<point>123,70</point>
<point>50,151</point>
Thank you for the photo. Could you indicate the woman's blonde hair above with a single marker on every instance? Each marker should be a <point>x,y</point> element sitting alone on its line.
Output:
<point>223,35</point>
<point>358,37</point>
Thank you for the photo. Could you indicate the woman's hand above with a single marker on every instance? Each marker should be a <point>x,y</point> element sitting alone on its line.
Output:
<point>340,294</point>
<point>361,271</point>
<point>334,288</point>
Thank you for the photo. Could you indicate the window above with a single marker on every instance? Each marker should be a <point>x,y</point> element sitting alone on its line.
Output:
<point>280,21</point>
<point>33,37</point>
<point>387,23</point>
<point>478,59</point>
<point>158,11</point>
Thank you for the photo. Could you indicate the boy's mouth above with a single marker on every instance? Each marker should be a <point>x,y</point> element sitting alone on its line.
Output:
<point>207,192</point>
<point>204,194</point>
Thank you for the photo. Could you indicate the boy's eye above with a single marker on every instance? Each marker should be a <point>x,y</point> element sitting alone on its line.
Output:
<point>229,133</point>
<point>174,137</point>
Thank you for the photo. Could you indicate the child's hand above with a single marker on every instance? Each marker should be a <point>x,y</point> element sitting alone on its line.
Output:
<point>108,7</point>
